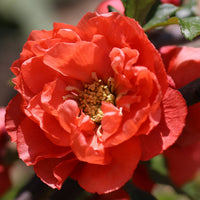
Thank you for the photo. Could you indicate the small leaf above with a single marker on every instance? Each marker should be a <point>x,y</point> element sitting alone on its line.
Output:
<point>190,27</point>
<point>112,9</point>
<point>187,10</point>
<point>172,20</point>
<point>162,17</point>
<point>138,9</point>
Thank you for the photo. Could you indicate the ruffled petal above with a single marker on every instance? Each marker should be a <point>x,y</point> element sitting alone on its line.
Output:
<point>35,74</point>
<point>67,114</point>
<point>104,179</point>
<point>77,60</point>
<point>36,35</point>
<point>88,148</point>
<point>32,145</point>
<point>13,117</point>
<point>54,171</point>
<point>55,92</point>
<point>170,127</point>
<point>128,33</point>
<point>48,123</point>
<point>110,126</point>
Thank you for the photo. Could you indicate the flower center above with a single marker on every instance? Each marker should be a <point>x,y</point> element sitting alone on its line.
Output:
<point>91,97</point>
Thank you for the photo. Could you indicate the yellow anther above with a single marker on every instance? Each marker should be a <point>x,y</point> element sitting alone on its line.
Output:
<point>91,97</point>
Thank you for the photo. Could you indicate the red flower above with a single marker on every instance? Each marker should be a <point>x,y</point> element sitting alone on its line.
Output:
<point>4,175</point>
<point>175,2</point>
<point>117,4</point>
<point>183,65</point>
<point>93,100</point>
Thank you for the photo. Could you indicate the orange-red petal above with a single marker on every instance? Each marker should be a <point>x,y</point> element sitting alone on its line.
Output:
<point>171,125</point>
<point>107,178</point>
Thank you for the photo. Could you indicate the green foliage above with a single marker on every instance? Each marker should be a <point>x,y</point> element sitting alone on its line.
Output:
<point>158,164</point>
<point>190,27</point>
<point>162,17</point>
<point>138,9</point>
<point>112,9</point>
<point>193,188</point>
<point>167,14</point>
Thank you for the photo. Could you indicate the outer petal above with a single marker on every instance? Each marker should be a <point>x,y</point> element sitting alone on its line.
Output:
<point>48,123</point>
<point>39,35</point>
<point>33,146</point>
<point>183,162</point>
<point>13,117</point>
<point>104,179</point>
<point>35,74</point>
<point>170,127</point>
<point>54,171</point>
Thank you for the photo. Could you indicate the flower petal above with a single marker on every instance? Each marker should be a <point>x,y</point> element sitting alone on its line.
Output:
<point>88,148</point>
<point>48,123</point>
<point>110,126</point>
<point>170,127</point>
<point>77,60</point>
<point>13,116</point>
<point>35,74</point>
<point>27,141</point>
<point>54,171</point>
<point>104,179</point>
<point>67,114</point>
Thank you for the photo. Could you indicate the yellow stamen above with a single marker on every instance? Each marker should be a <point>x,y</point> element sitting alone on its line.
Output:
<point>91,97</point>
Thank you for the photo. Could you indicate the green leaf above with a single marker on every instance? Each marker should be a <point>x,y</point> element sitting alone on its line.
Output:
<point>190,27</point>
<point>138,9</point>
<point>187,10</point>
<point>162,17</point>
<point>192,188</point>
<point>112,9</point>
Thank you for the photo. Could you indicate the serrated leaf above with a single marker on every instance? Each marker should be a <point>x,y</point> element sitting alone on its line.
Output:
<point>162,17</point>
<point>190,27</point>
<point>137,9</point>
